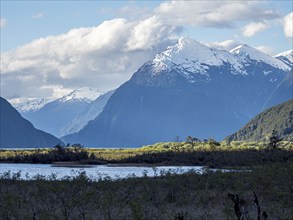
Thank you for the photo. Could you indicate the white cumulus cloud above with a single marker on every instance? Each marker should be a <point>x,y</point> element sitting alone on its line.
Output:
<point>254,27</point>
<point>106,55</point>
<point>288,25</point>
<point>214,13</point>
<point>144,37</point>
<point>102,57</point>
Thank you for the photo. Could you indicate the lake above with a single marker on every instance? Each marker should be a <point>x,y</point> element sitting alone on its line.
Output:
<point>95,172</point>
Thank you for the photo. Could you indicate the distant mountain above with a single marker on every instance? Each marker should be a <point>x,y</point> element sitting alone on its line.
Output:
<point>90,113</point>
<point>188,89</point>
<point>17,132</point>
<point>32,105</point>
<point>83,94</point>
<point>278,118</point>
<point>286,57</point>
<point>53,116</point>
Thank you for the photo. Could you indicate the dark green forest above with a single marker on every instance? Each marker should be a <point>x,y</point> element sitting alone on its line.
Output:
<point>277,119</point>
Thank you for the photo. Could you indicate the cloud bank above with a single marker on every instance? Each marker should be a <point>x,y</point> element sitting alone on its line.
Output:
<point>102,57</point>
<point>106,55</point>
<point>217,14</point>
<point>254,27</point>
<point>288,25</point>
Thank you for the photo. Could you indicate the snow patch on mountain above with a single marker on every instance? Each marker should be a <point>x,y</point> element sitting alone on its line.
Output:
<point>247,53</point>
<point>32,105</point>
<point>288,53</point>
<point>286,57</point>
<point>189,56</point>
<point>85,94</point>
<point>80,121</point>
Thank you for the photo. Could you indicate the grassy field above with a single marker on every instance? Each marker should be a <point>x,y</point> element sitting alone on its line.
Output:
<point>212,154</point>
<point>189,196</point>
<point>167,196</point>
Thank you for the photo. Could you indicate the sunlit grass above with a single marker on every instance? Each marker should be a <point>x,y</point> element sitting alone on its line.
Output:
<point>123,153</point>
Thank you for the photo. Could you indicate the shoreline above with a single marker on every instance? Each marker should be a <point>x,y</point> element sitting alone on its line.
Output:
<point>89,164</point>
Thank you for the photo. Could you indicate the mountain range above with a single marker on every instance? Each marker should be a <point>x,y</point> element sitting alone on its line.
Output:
<point>52,115</point>
<point>90,113</point>
<point>189,89</point>
<point>15,131</point>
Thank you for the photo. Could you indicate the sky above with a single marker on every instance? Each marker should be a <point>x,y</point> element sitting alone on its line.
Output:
<point>49,48</point>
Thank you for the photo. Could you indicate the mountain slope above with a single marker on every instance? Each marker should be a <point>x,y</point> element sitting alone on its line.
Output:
<point>18,132</point>
<point>189,89</point>
<point>249,55</point>
<point>90,113</point>
<point>278,118</point>
<point>286,57</point>
<point>54,115</point>
<point>283,92</point>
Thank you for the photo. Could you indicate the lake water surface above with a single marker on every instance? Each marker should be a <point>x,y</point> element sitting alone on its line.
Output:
<point>95,172</point>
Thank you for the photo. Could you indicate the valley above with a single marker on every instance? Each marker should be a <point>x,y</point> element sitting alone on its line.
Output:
<point>150,191</point>
<point>186,89</point>
<point>165,196</point>
<point>111,152</point>
<point>146,110</point>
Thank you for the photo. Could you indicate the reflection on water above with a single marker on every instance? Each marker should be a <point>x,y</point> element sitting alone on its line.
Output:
<point>95,172</point>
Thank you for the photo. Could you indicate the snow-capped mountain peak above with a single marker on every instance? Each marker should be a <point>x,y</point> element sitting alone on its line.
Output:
<point>32,105</point>
<point>81,94</point>
<point>288,53</point>
<point>84,94</point>
<point>189,56</point>
<point>247,53</point>
<point>286,57</point>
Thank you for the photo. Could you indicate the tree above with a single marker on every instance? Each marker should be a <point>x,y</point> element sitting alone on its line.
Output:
<point>213,143</point>
<point>192,140</point>
<point>274,139</point>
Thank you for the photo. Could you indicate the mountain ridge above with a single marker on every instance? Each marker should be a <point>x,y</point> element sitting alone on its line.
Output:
<point>19,132</point>
<point>80,121</point>
<point>278,118</point>
<point>53,116</point>
<point>85,94</point>
<point>286,57</point>
<point>247,53</point>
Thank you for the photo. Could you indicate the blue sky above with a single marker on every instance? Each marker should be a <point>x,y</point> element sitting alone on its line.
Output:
<point>64,45</point>
<point>29,20</point>
<point>35,19</point>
